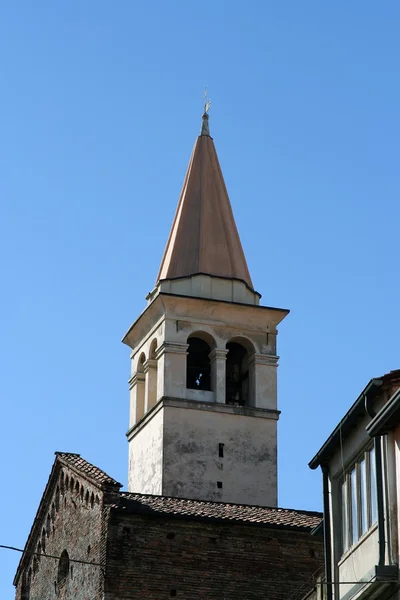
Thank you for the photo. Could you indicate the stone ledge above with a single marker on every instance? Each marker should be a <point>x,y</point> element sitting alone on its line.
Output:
<point>166,401</point>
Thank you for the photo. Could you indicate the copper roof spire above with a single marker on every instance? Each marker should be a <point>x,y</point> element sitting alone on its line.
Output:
<point>204,238</point>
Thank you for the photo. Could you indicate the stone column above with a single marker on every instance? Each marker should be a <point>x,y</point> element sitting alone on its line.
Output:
<point>218,373</point>
<point>136,391</point>
<point>150,373</point>
<point>171,371</point>
<point>263,384</point>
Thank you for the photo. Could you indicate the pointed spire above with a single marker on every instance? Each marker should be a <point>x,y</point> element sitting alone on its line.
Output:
<point>204,238</point>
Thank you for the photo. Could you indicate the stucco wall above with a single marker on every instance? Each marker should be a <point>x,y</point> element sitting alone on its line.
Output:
<point>146,456</point>
<point>192,465</point>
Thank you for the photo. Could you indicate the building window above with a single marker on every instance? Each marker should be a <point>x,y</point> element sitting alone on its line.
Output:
<point>358,498</point>
<point>198,372</point>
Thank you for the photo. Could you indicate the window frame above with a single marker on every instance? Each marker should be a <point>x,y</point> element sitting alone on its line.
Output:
<point>359,506</point>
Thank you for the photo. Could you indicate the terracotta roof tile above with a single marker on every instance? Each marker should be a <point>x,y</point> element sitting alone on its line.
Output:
<point>280,517</point>
<point>80,464</point>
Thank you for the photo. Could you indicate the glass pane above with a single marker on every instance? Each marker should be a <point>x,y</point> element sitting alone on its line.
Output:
<point>374,514</point>
<point>354,507</point>
<point>345,521</point>
<point>363,496</point>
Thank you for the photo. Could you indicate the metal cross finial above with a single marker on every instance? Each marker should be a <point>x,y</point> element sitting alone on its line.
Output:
<point>205,130</point>
<point>207,102</point>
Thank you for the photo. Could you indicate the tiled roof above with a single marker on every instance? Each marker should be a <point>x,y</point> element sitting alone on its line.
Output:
<point>258,515</point>
<point>80,464</point>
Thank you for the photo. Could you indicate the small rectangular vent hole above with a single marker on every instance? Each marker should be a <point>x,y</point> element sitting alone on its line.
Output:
<point>221,450</point>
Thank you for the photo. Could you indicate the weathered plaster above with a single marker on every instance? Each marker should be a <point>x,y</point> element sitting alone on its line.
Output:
<point>192,465</point>
<point>146,456</point>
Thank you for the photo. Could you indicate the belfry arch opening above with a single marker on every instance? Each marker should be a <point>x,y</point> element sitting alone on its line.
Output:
<point>198,365</point>
<point>151,377</point>
<point>237,389</point>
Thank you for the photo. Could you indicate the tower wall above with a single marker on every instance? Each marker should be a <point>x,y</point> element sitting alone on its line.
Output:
<point>174,444</point>
<point>220,453</point>
<point>146,449</point>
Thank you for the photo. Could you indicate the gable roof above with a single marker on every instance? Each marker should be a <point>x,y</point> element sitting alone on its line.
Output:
<point>204,238</point>
<point>356,412</point>
<point>219,511</point>
<point>83,467</point>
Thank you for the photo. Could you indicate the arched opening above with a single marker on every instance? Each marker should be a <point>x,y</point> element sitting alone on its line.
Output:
<point>35,566</point>
<point>198,366</point>
<point>237,374</point>
<point>48,525</point>
<point>141,361</point>
<point>63,567</point>
<point>151,377</point>
<point>26,585</point>
<point>140,389</point>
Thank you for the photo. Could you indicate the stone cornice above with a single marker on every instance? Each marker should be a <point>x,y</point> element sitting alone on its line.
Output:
<point>150,363</point>
<point>171,348</point>
<point>264,359</point>
<point>166,401</point>
<point>218,353</point>
<point>136,378</point>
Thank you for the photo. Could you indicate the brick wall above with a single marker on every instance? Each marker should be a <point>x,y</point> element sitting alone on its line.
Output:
<point>157,558</point>
<point>70,520</point>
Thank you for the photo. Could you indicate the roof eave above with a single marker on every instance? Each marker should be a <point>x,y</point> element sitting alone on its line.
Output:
<point>387,417</point>
<point>128,508</point>
<point>349,419</point>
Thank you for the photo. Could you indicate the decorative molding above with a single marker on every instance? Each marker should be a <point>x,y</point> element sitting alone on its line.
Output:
<point>136,378</point>
<point>171,348</point>
<point>150,363</point>
<point>264,359</point>
<point>218,353</point>
<point>186,404</point>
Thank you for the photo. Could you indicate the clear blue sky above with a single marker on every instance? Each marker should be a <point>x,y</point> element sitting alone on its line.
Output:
<point>100,106</point>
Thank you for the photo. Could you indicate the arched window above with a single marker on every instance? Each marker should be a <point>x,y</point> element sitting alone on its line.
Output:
<point>63,567</point>
<point>198,368</point>
<point>237,375</point>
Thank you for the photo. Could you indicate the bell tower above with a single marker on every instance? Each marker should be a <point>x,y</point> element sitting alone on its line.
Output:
<point>203,386</point>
